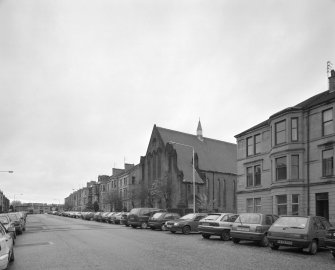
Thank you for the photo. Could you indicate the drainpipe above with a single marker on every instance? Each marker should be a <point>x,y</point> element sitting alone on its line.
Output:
<point>308,166</point>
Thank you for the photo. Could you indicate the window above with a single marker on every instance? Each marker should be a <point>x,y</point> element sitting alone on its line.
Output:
<point>295,204</point>
<point>254,145</point>
<point>250,146</point>
<point>133,180</point>
<point>295,166</point>
<point>250,176</point>
<point>254,205</point>
<point>254,176</point>
<point>327,122</point>
<point>282,204</point>
<point>294,129</point>
<point>257,171</point>
<point>280,132</point>
<point>281,168</point>
<point>327,162</point>
<point>257,143</point>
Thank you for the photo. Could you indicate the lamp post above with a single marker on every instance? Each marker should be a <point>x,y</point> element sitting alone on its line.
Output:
<point>193,171</point>
<point>14,206</point>
<point>7,171</point>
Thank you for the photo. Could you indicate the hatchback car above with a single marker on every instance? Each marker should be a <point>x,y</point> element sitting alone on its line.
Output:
<point>186,224</point>
<point>330,240</point>
<point>306,232</point>
<point>252,227</point>
<point>6,250</point>
<point>8,224</point>
<point>18,223</point>
<point>218,224</point>
<point>157,220</point>
<point>138,217</point>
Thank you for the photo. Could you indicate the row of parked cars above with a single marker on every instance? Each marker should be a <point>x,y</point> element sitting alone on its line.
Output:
<point>309,233</point>
<point>11,225</point>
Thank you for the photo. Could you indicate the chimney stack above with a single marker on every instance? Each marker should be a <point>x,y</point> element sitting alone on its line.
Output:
<point>332,81</point>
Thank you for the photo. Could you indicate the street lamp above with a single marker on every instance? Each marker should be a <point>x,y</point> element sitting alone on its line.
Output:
<point>193,178</point>
<point>15,201</point>
<point>7,171</point>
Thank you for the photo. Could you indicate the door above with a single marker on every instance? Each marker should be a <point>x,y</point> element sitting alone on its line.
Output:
<point>322,205</point>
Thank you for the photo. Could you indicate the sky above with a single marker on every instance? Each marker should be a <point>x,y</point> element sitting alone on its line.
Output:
<point>83,82</point>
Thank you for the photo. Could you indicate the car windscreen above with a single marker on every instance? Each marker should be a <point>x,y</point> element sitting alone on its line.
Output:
<point>188,216</point>
<point>212,217</point>
<point>4,220</point>
<point>157,215</point>
<point>249,218</point>
<point>13,217</point>
<point>291,222</point>
<point>135,211</point>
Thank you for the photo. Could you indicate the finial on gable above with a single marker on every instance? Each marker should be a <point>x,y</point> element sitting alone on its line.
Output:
<point>199,131</point>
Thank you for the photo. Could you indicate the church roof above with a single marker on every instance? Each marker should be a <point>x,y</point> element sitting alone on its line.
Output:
<point>213,155</point>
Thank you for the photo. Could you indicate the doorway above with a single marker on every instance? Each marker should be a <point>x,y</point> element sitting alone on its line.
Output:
<point>322,205</point>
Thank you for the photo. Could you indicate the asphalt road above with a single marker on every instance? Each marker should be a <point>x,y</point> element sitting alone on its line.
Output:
<point>53,242</point>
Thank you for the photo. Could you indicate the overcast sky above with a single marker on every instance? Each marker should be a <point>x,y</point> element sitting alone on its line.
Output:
<point>84,81</point>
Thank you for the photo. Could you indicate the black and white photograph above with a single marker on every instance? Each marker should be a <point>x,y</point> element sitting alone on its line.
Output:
<point>167,134</point>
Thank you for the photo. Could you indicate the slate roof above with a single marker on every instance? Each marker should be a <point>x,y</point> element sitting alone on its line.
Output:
<point>321,98</point>
<point>213,155</point>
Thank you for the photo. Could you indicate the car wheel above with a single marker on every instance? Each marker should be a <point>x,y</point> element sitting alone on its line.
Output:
<point>273,246</point>
<point>236,240</point>
<point>144,225</point>
<point>186,229</point>
<point>206,236</point>
<point>152,228</point>
<point>24,229</point>
<point>173,231</point>
<point>163,228</point>
<point>264,242</point>
<point>333,253</point>
<point>127,225</point>
<point>225,235</point>
<point>133,226</point>
<point>313,248</point>
<point>12,256</point>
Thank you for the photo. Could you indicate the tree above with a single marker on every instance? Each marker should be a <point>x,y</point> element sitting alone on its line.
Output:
<point>96,206</point>
<point>161,190</point>
<point>204,203</point>
<point>113,199</point>
<point>68,206</point>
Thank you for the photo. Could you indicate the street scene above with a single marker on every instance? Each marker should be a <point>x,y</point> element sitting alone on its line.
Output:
<point>167,134</point>
<point>55,242</point>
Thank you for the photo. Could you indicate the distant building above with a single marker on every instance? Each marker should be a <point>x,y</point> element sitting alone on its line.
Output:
<point>167,178</point>
<point>285,165</point>
<point>4,203</point>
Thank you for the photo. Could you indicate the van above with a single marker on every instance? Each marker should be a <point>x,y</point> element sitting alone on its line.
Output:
<point>138,217</point>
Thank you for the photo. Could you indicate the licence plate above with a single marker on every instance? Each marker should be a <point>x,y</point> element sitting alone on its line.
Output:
<point>205,224</point>
<point>169,226</point>
<point>243,229</point>
<point>284,242</point>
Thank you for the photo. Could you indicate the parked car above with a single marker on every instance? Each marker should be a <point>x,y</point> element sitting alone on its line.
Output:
<point>306,232</point>
<point>157,220</point>
<point>6,250</point>
<point>138,217</point>
<point>252,227</point>
<point>88,216</point>
<point>109,216</point>
<point>97,216</point>
<point>8,224</point>
<point>124,219</point>
<point>185,224</point>
<point>117,218</point>
<point>104,217</point>
<point>218,224</point>
<point>330,240</point>
<point>17,223</point>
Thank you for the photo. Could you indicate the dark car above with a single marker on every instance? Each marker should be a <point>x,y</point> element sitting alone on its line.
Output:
<point>218,224</point>
<point>252,227</point>
<point>306,232</point>
<point>18,223</point>
<point>124,219</point>
<point>185,224</point>
<point>138,217</point>
<point>157,220</point>
<point>8,224</point>
<point>330,240</point>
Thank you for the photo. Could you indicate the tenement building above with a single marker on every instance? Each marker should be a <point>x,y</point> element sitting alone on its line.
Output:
<point>285,165</point>
<point>167,172</point>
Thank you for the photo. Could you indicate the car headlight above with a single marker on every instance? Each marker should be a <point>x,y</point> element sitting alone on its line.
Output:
<point>176,224</point>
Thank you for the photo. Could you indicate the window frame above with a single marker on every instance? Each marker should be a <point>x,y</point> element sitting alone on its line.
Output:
<point>252,176</point>
<point>296,129</point>
<point>250,147</point>
<point>293,204</point>
<point>326,161</point>
<point>280,167</point>
<point>281,204</point>
<point>325,122</point>
<point>295,166</point>
<point>280,131</point>
<point>255,204</point>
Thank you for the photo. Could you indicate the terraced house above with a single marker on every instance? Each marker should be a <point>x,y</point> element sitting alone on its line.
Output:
<point>285,165</point>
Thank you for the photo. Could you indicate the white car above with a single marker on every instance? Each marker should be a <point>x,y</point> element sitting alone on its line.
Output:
<point>7,250</point>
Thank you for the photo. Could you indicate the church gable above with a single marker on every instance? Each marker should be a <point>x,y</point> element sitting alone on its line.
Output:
<point>156,143</point>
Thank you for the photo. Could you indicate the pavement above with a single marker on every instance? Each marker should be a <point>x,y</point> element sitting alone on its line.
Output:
<point>53,242</point>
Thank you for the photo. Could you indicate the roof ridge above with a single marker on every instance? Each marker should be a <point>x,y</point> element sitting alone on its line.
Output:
<point>211,139</point>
